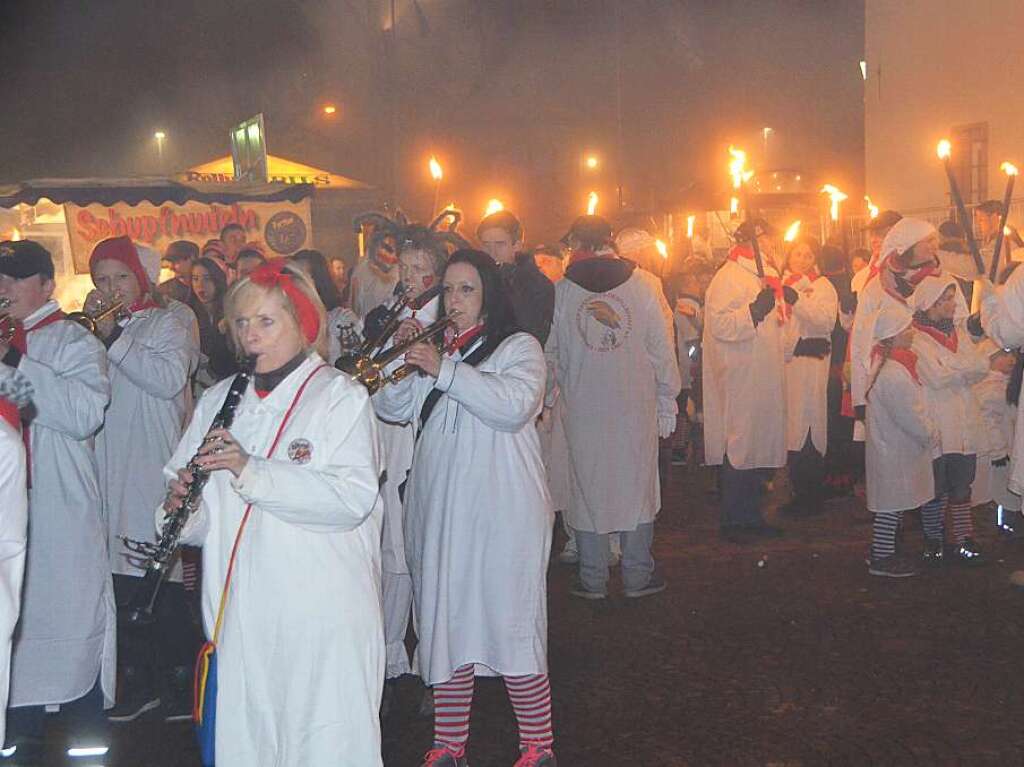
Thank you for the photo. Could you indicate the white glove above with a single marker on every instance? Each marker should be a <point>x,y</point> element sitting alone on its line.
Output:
<point>666,425</point>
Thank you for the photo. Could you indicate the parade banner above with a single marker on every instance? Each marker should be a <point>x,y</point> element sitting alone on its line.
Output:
<point>281,227</point>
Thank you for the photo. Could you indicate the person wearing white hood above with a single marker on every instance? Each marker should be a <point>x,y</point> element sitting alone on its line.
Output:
<point>150,354</point>
<point>901,438</point>
<point>64,651</point>
<point>744,380</point>
<point>949,364</point>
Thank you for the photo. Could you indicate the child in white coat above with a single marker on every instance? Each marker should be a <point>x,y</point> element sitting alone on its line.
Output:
<point>950,364</point>
<point>901,439</point>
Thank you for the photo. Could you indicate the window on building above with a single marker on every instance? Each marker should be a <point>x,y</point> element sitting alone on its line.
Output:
<point>970,161</point>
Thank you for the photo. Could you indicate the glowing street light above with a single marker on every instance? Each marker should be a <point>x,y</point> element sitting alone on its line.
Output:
<point>330,109</point>
<point>494,205</point>
<point>592,200</point>
<point>792,232</point>
<point>160,136</point>
<point>592,162</point>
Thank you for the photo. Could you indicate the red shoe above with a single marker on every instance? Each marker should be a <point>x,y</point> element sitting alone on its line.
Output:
<point>441,755</point>
<point>536,756</point>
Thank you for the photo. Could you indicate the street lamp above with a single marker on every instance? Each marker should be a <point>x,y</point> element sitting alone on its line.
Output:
<point>330,109</point>
<point>592,162</point>
<point>160,136</point>
<point>766,132</point>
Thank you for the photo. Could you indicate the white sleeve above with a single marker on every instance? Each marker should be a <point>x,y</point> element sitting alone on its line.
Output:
<point>72,391</point>
<point>818,311</point>
<point>1002,312</point>
<point>158,363</point>
<point>507,399</point>
<point>727,312</point>
<point>661,350</point>
<point>336,496</point>
<point>908,409</point>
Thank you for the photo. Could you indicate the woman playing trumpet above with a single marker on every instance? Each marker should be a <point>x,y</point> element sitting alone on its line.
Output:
<point>478,516</point>
<point>292,501</point>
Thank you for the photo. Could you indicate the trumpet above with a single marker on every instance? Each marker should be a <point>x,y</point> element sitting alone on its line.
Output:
<point>7,322</point>
<point>369,371</point>
<point>92,321</point>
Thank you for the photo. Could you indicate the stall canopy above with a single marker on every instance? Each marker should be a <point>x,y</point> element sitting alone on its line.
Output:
<point>156,191</point>
<point>279,170</point>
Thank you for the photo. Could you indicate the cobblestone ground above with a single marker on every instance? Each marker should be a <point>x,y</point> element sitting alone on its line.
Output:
<point>805,660</point>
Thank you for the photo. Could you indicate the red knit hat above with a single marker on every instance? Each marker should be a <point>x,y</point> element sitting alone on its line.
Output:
<point>121,249</point>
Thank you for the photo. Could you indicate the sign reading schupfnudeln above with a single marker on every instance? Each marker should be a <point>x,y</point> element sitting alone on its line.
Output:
<point>249,150</point>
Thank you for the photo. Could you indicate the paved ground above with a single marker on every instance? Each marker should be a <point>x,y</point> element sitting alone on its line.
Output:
<point>804,660</point>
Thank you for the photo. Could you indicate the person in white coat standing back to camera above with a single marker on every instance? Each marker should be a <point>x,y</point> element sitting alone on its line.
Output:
<point>744,380</point>
<point>65,651</point>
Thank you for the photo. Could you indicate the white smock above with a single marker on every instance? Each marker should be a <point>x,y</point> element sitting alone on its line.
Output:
<point>744,378</point>
<point>901,441</point>
<point>813,316</point>
<point>301,652</point>
<point>614,358</point>
<point>149,366</point>
<point>13,524</point>
<point>478,518</point>
<point>63,644</point>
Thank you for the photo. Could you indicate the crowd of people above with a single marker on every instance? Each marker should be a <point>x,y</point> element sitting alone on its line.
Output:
<point>409,432</point>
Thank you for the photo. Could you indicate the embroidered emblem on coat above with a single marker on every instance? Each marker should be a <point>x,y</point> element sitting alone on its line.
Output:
<point>300,451</point>
<point>604,322</point>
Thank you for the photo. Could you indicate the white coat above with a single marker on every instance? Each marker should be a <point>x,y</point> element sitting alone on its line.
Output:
<point>555,450</point>
<point>301,651</point>
<point>1002,316</point>
<point>998,417</point>
<point>744,378</point>
<point>478,518</point>
<point>689,329</point>
<point>13,524</point>
<point>871,299</point>
<point>63,644</point>
<point>813,316</point>
<point>901,441</point>
<point>947,378</point>
<point>614,358</point>
<point>149,366</point>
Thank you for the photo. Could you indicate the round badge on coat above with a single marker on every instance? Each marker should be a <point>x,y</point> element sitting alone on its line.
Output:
<point>300,451</point>
<point>604,322</point>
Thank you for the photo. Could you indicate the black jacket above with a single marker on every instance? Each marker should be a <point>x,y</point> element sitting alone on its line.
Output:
<point>531,294</point>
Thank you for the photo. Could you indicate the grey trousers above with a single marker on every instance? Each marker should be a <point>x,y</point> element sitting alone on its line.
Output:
<point>637,562</point>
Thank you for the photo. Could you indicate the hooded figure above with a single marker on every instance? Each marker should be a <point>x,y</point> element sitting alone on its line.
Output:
<point>611,349</point>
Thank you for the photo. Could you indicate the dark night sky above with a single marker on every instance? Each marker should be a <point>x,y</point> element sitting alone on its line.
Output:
<point>508,93</point>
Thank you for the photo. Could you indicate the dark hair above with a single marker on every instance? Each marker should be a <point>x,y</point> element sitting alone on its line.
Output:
<point>990,207</point>
<point>182,249</point>
<point>503,220</point>
<point>833,261</point>
<point>251,253</point>
<point>220,283</point>
<point>321,277</point>
<point>499,321</point>
<point>810,242</point>
<point>230,228</point>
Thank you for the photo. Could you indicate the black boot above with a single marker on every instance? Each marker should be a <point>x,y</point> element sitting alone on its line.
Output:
<point>136,696</point>
<point>177,695</point>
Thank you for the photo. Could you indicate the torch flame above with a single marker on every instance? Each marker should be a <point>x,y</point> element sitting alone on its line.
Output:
<point>872,208</point>
<point>943,149</point>
<point>662,248</point>
<point>734,206</point>
<point>1008,168</point>
<point>737,167</point>
<point>1007,231</point>
<point>690,221</point>
<point>436,172</point>
<point>494,205</point>
<point>592,199</point>
<point>792,231</point>
<point>836,196</point>
<point>15,235</point>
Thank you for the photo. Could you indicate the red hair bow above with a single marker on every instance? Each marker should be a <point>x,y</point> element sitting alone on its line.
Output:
<point>272,274</point>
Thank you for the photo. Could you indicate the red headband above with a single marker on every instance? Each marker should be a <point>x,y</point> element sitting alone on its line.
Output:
<point>272,274</point>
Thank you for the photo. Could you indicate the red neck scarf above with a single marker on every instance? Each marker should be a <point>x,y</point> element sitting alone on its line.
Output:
<point>905,357</point>
<point>9,412</point>
<point>949,342</point>
<point>462,340</point>
<point>889,273</point>
<point>272,274</point>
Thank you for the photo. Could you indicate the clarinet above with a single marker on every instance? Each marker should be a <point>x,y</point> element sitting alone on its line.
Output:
<point>160,555</point>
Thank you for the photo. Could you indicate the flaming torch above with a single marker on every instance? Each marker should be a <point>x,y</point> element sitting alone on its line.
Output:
<point>943,150</point>
<point>662,249</point>
<point>592,200</point>
<point>836,197</point>
<point>436,173</point>
<point>792,232</point>
<point>494,205</point>
<point>690,221</point>
<point>1011,175</point>
<point>739,173</point>
<point>872,208</point>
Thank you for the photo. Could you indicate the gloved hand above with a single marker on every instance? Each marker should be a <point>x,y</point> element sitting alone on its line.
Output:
<point>860,412</point>
<point>790,295</point>
<point>819,348</point>
<point>848,302</point>
<point>761,305</point>
<point>666,425</point>
<point>974,325</point>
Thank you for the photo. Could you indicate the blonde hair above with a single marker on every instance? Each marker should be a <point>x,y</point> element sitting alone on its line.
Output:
<point>245,294</point>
